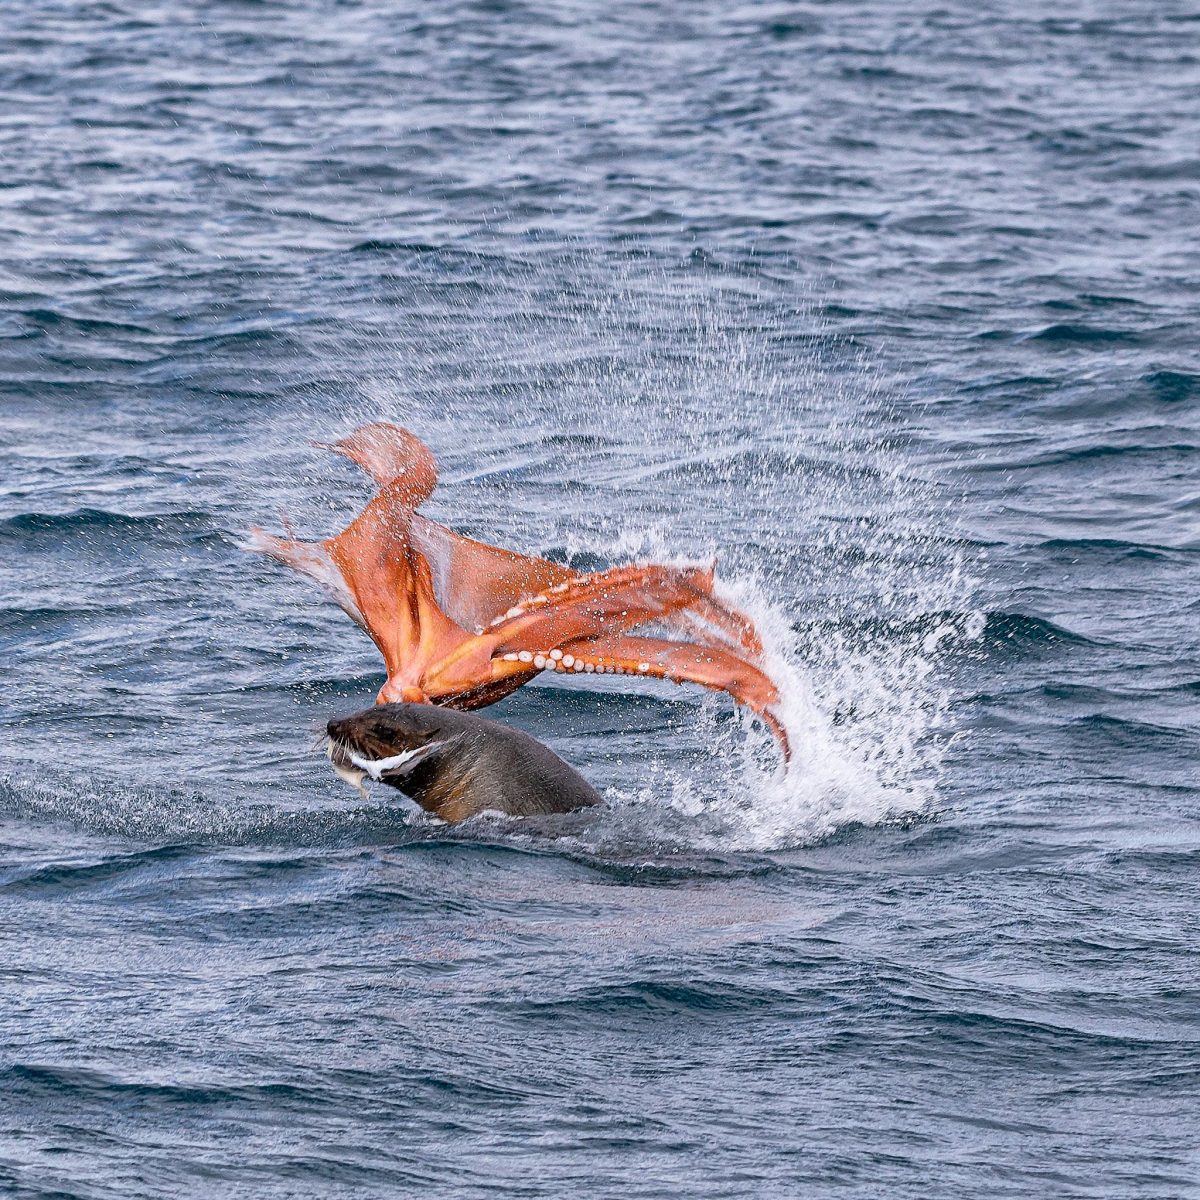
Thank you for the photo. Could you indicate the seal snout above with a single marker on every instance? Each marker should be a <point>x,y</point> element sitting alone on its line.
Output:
<point>342,729</point>
<point>375,733</point>
<point>381,743</point>
<point>344,749</point>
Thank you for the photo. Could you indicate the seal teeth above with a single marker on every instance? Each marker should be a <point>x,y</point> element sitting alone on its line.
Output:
<point>510,658</point>
<point>578,665</point>
<point>556,655</point>
<point>568,660</point>
<point>643,667</point>
<point>539,661</point>
<point>589,667</point>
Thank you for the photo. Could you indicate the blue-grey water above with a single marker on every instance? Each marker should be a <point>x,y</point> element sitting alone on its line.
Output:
<point>892,308</point>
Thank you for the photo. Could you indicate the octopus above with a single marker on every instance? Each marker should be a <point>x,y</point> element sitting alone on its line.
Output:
<point>462,623</point>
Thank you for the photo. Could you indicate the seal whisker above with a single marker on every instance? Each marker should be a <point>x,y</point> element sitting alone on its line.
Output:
<point>336,753</point>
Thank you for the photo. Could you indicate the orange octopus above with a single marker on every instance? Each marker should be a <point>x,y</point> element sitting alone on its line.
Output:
<point>462,623</point>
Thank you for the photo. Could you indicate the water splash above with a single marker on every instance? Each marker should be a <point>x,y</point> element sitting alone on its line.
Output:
<point>684,413</point>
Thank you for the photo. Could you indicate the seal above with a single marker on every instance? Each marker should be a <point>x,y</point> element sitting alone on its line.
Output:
<point>455,764</point>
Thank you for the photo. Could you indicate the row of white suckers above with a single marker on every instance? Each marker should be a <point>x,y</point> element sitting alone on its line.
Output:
<point>556,660</point>
<point>519,610</point>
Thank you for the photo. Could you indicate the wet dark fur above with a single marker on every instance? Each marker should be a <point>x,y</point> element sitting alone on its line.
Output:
<point>482,765</point>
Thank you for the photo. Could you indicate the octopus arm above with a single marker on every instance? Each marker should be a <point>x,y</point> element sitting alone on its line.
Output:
<point>606,602</point>
<point>683,662</point>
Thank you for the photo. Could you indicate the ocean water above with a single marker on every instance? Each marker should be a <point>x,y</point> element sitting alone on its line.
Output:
<point>892,309</point>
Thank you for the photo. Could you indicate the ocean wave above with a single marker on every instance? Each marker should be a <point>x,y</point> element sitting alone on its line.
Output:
<point>1005,632</point>
<point>1127,731</point>
<point>1109,548</point>
<point>82,1083</point>
<point>1172,387</point>
<point>957,633</point>
<point>1070,334</point>
<point>90,521</point>
<point>48,318</point>
<point>62,878</point>
<point>106,803</point>
<point>660,999</point>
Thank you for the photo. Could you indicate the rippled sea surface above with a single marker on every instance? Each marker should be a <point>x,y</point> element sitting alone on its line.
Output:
<point>890,307</point>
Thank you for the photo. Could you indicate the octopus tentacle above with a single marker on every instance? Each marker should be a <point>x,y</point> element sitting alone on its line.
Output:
<point>586,607</point>
<point>311,559</point>
<point>658,658</point>
<point>604,602</point>
<point>392,587</point>
<point>732,628</point>
<point>473,581</point>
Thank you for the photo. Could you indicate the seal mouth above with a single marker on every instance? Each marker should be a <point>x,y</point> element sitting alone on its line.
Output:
<point>356,768</point>
<point>339,759</point>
